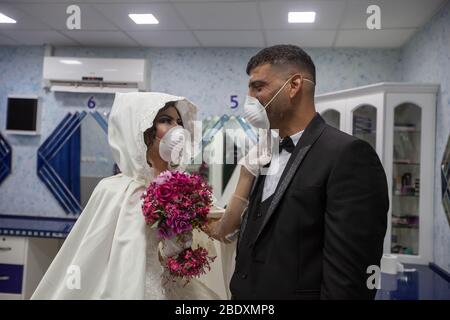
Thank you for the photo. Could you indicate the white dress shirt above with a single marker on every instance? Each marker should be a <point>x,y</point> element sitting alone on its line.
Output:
<point>275,170</point>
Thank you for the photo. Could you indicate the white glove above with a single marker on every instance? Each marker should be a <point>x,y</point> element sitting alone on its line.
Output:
<point>228,226</point>
<point>259,155</point>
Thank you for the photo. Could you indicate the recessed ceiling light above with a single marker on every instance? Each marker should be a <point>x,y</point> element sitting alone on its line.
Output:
<point>302,17</point>
<point>143,18</point>
<point>6,19</point>
<point>70,61</point>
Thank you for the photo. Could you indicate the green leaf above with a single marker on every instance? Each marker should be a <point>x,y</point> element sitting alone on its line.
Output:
<point>156,224</point>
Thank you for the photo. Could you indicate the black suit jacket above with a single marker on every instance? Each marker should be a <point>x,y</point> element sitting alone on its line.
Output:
<point>324,227</point>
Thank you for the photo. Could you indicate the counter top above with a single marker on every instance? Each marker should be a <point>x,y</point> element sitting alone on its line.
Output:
<point>32,226</point>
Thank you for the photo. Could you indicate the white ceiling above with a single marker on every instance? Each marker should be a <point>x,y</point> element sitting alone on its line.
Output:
<point>214,23</point>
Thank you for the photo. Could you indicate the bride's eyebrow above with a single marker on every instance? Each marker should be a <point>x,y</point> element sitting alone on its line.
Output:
<point>164,115</point>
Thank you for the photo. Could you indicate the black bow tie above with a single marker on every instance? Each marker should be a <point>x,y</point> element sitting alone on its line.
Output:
<point>287,144</point>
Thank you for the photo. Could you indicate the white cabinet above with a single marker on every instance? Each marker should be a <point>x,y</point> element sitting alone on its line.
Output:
<point>23,262</point>
<point>398,120</point>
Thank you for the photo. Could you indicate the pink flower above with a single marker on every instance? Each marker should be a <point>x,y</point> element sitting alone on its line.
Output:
<point>164,193</point>
<point>162,177</point>
<point>165,231</point>
<point>189,263</point>
<point>179,224</point>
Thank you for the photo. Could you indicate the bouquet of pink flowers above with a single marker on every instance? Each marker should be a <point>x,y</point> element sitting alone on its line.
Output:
<point>175,203</point>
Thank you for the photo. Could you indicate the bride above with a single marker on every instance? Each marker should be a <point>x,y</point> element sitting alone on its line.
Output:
<point>111,253</point>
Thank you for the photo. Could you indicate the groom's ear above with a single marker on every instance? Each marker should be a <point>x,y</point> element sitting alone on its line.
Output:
<point>296,84</point>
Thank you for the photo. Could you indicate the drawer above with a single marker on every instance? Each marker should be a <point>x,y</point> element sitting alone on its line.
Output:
<point>12,250</point>
<point>10,296</point>
<point>11,278</point>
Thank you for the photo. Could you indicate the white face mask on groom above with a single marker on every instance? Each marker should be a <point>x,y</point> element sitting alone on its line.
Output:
<point>255,113</point>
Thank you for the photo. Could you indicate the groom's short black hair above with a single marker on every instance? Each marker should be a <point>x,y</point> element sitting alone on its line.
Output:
<point>284,54</point>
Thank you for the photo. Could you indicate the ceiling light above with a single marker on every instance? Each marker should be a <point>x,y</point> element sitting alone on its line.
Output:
<point>302,17</point>
<point>70,61</point>
<point>146,18</point>
<point>6,19</point>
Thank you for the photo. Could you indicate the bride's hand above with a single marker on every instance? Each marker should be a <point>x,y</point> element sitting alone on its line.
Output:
<point>208,227</point>
<point>212,230</point>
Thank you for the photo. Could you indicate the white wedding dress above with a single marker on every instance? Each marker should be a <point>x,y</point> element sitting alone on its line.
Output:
<point>111,253</point>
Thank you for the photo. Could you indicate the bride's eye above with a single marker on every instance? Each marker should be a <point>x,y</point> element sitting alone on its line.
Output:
<point>164,119</point>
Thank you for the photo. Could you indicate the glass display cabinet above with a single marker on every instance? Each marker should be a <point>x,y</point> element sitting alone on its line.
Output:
<point>398,121</point>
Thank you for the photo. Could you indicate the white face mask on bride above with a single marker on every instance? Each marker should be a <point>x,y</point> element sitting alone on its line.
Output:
<point>174,146</point>
<point>255,113</point>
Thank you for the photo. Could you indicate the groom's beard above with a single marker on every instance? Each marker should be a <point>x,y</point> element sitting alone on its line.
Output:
<point>277,119</point>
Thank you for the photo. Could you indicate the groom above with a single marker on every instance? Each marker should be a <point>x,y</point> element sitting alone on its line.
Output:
<point>313,227</point>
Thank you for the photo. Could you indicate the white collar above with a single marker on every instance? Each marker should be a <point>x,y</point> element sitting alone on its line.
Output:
<point>296,136</point>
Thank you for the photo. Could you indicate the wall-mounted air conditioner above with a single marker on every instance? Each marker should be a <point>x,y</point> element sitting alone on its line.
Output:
<point>69,74</point>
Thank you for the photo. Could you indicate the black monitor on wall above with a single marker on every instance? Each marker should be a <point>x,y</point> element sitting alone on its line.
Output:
<point>22,115</point>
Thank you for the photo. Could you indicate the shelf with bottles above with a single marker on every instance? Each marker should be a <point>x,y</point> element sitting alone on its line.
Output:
<point>405,241</point>
<point>404,187</point>
<point>365,124</point>
<point>401,249</point>
<point>406,152</point>
<point>364,133</point>
<point>405,221</point>
<point>401,162</point>
<point>406,128</point>
<point>407,193</point>
<point>368,128</point>
<point>364,120</point>
<point>413,196</point>
<point>405,226</point>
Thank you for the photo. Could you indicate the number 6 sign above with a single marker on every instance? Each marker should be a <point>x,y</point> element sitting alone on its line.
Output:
<point>91,103</point>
